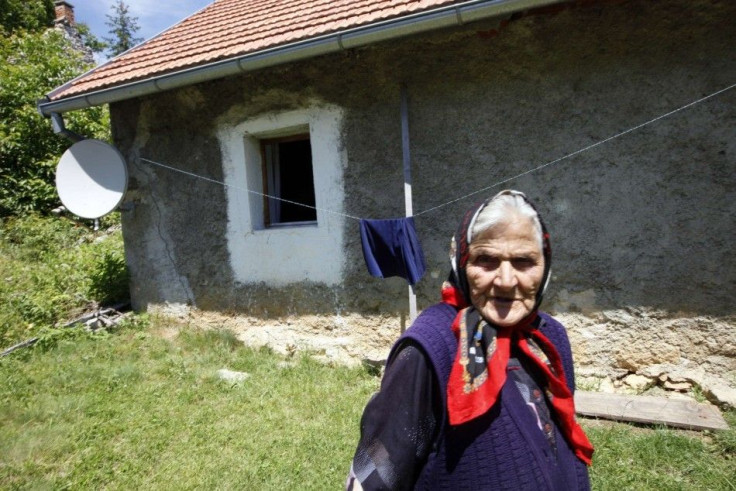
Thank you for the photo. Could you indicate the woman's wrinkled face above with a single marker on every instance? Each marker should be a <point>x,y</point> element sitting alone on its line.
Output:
<point>505,270</point>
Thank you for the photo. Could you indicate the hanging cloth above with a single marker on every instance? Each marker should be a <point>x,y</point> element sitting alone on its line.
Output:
<point>391,248</point>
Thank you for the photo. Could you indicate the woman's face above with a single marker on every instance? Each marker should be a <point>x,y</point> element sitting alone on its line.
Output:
<point>505,269</point>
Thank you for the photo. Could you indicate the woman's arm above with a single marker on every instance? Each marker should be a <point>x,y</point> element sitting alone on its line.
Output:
<point>399,424</point>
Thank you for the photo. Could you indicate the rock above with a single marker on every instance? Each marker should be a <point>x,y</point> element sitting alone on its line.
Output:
<point>719,392</point>
<point>639,383</point>
<point>232,376</point>
<point>679,386</point>
<point>636,357</point>
<point>607,386</point>
<point>724,395</point>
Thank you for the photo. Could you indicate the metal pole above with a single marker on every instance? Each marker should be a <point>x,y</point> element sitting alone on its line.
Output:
<point>407,184</point>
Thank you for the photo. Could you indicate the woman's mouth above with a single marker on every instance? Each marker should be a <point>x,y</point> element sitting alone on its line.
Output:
<point>503,300</point>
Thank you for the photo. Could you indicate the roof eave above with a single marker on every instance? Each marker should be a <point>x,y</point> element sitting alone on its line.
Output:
<point>342,40</point>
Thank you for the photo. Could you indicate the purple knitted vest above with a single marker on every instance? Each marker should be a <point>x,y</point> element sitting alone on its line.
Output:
<point>503,449</point>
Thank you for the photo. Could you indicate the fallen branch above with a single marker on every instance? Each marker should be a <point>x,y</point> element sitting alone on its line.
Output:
<point>108,317</point>
<point>30,342</point>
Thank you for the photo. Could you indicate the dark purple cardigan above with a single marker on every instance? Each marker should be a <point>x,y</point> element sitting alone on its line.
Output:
<point>503,449</point>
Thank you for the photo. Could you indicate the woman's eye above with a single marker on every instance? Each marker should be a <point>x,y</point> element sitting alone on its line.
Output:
<point>524,262</point>
<point>485,260</point>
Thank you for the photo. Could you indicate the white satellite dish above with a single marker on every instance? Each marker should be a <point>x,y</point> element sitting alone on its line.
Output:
<point>91,178</point>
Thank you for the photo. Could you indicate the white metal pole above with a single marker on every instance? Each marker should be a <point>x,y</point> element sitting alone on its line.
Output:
<point>407,184</point>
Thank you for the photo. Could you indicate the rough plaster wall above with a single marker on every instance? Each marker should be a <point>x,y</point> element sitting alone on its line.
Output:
<point>641,226</point>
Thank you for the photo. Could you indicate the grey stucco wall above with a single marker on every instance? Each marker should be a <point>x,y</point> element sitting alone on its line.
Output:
<point>645,220</point>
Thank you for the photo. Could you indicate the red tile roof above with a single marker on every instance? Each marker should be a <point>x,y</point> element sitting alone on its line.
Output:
<point>231,28</point>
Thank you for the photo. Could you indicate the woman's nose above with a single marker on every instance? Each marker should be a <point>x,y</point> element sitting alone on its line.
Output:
<point>506,277</point>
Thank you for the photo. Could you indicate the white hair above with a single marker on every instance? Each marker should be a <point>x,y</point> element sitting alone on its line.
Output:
<point>503,208</point>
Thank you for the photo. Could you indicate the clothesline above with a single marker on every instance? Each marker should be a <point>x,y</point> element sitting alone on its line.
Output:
<point>240,188</point>
<point>446,203</point>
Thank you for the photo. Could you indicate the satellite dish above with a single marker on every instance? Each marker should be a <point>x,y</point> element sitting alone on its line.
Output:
<point>91,178</point>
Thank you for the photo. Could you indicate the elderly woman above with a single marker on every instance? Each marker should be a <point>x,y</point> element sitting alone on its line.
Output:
<point>478,393</point>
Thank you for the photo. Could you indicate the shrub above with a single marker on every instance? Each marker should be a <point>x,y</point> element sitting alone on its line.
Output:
<point>109,277</point>
<point>52,270</point>
<point>31,64</point>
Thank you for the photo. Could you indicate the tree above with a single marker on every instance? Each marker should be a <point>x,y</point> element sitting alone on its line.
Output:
<point>32,64</point>
<point>27,15</point>
<point>89,39</point>
<point>123,28</point>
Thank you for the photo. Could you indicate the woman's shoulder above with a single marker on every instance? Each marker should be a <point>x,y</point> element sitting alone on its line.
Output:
<point>432,332</point>
<point>550,321</point>
<point>437,313</point>
<point>554,331</point>
<point>434,321</point>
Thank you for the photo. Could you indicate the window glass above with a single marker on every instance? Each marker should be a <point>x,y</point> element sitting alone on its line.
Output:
<point>288,175</point>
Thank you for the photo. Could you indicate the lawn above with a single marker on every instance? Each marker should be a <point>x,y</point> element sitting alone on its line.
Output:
<point>133,410</point>
<point>140,407</point>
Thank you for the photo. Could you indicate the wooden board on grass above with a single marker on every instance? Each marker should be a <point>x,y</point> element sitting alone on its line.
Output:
<point>652,410</point>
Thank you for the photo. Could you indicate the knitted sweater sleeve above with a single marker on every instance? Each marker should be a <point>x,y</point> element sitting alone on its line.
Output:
<point>399,424</point>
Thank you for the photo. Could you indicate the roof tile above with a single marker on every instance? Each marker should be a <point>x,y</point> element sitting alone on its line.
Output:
<point>231,28</point>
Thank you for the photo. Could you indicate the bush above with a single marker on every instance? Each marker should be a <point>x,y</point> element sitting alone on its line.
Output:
<point>109,277</point>
<point>53,269</point>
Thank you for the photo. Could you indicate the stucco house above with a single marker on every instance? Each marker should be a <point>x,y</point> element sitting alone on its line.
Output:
<point>617,117</point>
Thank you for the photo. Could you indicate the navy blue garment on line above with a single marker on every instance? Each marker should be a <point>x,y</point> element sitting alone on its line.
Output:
<point>391,248</point>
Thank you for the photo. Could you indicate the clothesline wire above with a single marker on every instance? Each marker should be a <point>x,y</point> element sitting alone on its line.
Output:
<point>215,181</point>
<point>455,200</point>
<point>601,142</point>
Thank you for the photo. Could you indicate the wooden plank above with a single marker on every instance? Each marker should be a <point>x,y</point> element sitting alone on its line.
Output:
<point>652,410</point>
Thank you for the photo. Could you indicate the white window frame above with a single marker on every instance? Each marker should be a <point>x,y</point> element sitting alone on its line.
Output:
<point>302,251</point>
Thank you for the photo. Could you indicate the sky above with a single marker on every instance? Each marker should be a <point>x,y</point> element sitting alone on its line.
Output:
<point>153,16</point>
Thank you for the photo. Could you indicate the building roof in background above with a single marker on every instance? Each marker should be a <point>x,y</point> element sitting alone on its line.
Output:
<point>230,28</point>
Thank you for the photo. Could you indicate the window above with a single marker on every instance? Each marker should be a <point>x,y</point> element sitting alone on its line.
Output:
<point>287,174</point>
<point>298,156</point>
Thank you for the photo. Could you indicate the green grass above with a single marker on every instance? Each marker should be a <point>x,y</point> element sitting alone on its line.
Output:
<point>639,458</point>
<point>134,410</point>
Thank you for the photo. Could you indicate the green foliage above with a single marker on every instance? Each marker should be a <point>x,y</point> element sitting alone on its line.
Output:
<point>89,39</point>
<point>32,64</point>
<point>109,277</point>
<point>26,15</point>
<point>50,337</point>
<point>122,28</point>
<point>52,270</point>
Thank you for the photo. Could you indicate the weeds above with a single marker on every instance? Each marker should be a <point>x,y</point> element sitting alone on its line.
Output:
<point>52,270</point>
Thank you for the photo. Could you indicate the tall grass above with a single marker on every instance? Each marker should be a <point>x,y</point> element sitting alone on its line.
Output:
<point>52,269</point>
